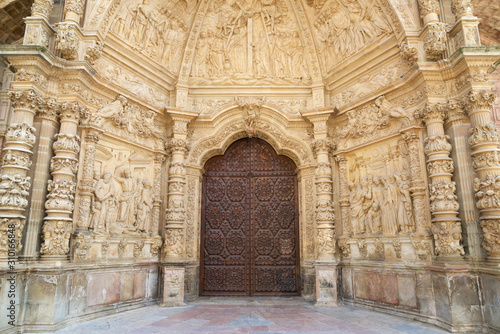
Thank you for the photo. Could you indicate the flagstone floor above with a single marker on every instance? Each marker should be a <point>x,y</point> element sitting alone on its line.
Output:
<point>251,315</point>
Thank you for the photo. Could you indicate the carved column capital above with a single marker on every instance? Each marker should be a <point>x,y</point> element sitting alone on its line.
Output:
<point>428,6</point>
<point>324,145</point>
<point>73,6</point>
<point>431,112</point>
<point>27,99</point>
<point>49,110</point>
<point>42,8</point>
<point>178,145</point>
<point>455,112</point>
<point>478,100</point>
<point>462,8</point>
<point>72,111</point>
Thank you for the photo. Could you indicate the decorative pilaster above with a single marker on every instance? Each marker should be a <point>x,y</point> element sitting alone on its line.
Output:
<point>158,166</point>
<point>325,216</point>
<point>484,142</point>
<point>38,29</point>
<point>344,196</point>
<point>87,183</point>
<point>16,161</point>
<point>58,224</point>
<point>417,184</point>
<point>446,227</point>
<point>176,213</point>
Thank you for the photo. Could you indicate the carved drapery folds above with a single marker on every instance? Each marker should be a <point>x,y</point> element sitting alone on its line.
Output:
<point>484,142</point>
<point>58,224</point>
<point>446,227</point>
<point>14,182</point>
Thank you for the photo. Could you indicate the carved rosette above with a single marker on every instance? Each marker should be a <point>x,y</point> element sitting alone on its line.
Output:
<point>42,8</point>
<point>435,41</point>
<point>446,227</point>
<point>67,41</point>
<point>86,184</point>
<point>484,142</point>
<point>59,206</point>
<point>417,185</point>
<point>16,161</point>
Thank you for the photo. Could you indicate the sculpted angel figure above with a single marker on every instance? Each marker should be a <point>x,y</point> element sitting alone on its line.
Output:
<point>111,110</point>
<point>386,110</point>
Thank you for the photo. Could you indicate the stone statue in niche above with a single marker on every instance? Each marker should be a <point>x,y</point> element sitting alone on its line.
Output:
<point>104,204</point>
<point>129,187</point>
<point>145,208</point>
<point>381,205</point>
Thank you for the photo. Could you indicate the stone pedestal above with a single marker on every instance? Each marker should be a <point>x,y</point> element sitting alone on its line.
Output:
<point>172,292</point>
<point>326,286</point>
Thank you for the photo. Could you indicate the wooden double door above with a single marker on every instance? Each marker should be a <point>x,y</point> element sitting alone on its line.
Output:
<point>249,239</point>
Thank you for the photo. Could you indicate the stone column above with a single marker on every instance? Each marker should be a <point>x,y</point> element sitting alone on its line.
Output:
<point>58,224</point>
<point>446,227</point>
<point>158,166</point>
<point>47,125</point>
<point>73,10</point>
<point>429,10</point>
<point>38,30</point>
<point>16,161</point>
<point>86,184</point>
<point>176,214</point>
<point>457,125</point>
<point>413,140</point>
<point>486,161</point>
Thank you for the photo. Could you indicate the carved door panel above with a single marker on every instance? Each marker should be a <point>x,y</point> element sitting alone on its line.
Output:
<point>249,242</point>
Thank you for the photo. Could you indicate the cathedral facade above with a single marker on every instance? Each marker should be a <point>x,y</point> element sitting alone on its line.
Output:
<point>345,151</point>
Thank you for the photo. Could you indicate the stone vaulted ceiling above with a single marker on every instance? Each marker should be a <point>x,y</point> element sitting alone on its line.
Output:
<point>489,28</point>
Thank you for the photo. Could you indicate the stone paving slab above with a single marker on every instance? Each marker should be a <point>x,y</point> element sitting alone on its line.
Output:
<point>251,315</point>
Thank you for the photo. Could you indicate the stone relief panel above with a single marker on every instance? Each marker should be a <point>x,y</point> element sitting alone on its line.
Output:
<point>133,83</point>
<point>379,189</point>
<point>130,122</point>
<point>377,119</point>
<point>343,27</point>
<point>369,83</point>
<point>156,29</point>
<point>250,42</point>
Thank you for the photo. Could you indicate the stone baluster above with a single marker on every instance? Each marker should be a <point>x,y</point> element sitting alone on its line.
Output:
<point>344,196</point>
<point>16,161</point>
<point>58,224</point>
<point>484,142</point>
<point>417,183</point>
<point>176,213</point>
<point>158,166</point>
<point>86,185</point>
<point>446,227</point>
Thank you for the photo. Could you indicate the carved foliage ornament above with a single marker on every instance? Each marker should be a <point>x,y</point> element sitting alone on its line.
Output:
<point>42,8</point>
<point>408,53</point>
<point>428,6</point>
<point>56,236</point>
<point>462,8</point>
<point>14,190</point>
<point>73,6</point>
<point>12,230</point>
<point>483,134</point>
<point>487,191</point>
<point>173,242</point>
<point>442,196</point>
<point>23,133</point>
<point>94,52</point>
<point>435,42</point>
<point>491,235</point>
<point>447,237</point>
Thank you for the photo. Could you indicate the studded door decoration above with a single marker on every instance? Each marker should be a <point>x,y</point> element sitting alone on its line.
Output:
<point>249,242</point>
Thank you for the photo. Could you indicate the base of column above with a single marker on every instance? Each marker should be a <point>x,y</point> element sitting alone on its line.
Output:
<point>172,287</point>
<point>326,285</point>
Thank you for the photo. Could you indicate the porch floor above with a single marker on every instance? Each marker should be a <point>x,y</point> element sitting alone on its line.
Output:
<point>251,315</point>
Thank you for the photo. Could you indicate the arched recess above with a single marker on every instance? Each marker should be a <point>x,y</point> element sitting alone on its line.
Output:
<point>232,128</point>
<point>12,14</point>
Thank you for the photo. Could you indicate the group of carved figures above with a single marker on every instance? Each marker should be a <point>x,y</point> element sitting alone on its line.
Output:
<point>276,48</point>
<point>345,26</point>
<point>155,31</point>
<point>121,204</point>
<point>381,205</point>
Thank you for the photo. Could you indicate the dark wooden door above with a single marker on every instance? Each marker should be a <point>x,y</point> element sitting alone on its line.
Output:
<point>249,240</point>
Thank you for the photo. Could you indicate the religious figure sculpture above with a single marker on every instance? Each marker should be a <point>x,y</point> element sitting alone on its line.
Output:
<point>126,211</point>
<point>104,204</point>
<point>145,208</point>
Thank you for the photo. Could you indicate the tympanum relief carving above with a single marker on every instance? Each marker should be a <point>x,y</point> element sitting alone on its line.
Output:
<point>250,43</point>
<point>157,29</point>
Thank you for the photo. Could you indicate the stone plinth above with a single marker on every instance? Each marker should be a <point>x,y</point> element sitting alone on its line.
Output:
<point>326,286</point>
<point>173,287</point>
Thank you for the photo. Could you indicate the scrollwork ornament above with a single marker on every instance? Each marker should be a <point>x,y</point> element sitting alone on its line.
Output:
<point>325,211</point>
<point>344,247</point>
<point>11,228</point>
<point>67,142</point>
<point>483,134</point>
<point>58,163</point>
<point>326,241</point>
<point>440,167</point>
<point>491,235</point>
<point>25,99</point>
<point>23,133</point>
<point>487,191</point>
<point>74,6</point>
<point>323,145</point>
<point>16,158</point>
<point>442,196</point>
<point>82,247</point>
<point>447,237</point>
<point>56,234</point>
<point>122,247</point>
<point>439,143</point>
<point>177,169</point>
<point>173,242</point>
<point>14,190</point>
<point>323,169</point>
<point>138,247</point>
<point>156,246</point>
